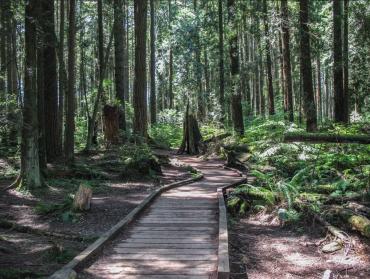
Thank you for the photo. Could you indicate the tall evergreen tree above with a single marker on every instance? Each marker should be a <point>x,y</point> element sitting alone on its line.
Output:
<point>268,62</point>
<point>286,60</point>
<point>339,98</point>
<point>221,60</point>
<point>119,52</point>
<point>52,138</point>
<point>236,106</point>
<point>153,97</point>
<point>140,98</point>
<point>346,107</point>
<point>70,97</point>
<point>30,176</point>
<point>306,67</point>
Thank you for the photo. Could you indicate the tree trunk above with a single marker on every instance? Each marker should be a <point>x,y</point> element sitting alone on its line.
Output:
<point>207,88</point>
<point>191,134</point>
<point>70,96</point>
<point>346,106</point>
<point>139,101</point>
<point>198,67</point>
<point>50,81</point>
<point>306,68</point>
<point>339,98</point>
<point>111,116</point>
<point>30,176</point>
<point>170,65</point>
<point>319,100</point>
<point>236,106</point>
<point>100,38</point>
<point>62,77</point>
<point>221,58</point>
<point>119,52</point>
<point>286,59</point>
<point>3,48</point>
<point>268,62</point>
<point>126,68</point>
<point>153,98</point>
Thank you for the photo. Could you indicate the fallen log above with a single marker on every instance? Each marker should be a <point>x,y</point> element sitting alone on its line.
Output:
<point>332,229</point>
<point>343,199</point>
<point>326,138</point>
<point>357,222</point>
<point>217,138</point>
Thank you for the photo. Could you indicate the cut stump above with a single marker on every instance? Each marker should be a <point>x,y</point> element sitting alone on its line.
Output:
<point>82,200</point>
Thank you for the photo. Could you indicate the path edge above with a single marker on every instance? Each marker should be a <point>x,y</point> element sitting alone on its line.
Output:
<point>223,264</point>
<point>68,270</point>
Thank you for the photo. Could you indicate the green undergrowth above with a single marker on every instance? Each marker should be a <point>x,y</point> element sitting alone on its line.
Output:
<point>291,173</point>
<point>16,273</point>
<point>138,161</point>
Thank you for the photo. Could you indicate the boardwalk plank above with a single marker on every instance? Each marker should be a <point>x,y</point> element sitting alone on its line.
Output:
<point>175,238</point>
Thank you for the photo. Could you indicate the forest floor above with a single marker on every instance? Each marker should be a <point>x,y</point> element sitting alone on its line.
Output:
<point>27,251</point>
<point>260,248</point>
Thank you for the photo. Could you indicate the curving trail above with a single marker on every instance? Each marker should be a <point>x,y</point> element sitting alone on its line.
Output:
<point>176,237</point>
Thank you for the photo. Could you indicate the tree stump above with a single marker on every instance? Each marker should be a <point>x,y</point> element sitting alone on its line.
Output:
<point>82,200</point>
<point>111,116</point>
<point>192,138</point>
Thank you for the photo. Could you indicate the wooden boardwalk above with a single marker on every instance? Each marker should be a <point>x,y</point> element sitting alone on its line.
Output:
<point>176,237</point>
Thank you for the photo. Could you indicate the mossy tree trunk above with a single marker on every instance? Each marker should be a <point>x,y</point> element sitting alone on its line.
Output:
<point>236,106</point>
<point>30,176</point>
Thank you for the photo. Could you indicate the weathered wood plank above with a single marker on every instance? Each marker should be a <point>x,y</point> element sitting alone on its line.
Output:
<point>168,241</point>
<point>151,276</point>
<point>178,221</point>
<point>173,228</point>
<point>164,257</point>
<point>160,270</point>
<point>168,245</point>
<point>167,235</point>
<point>161,251</point>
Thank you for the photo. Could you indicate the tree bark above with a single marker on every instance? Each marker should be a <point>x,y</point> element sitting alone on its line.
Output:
<point>306,68</point>
<point>70,97</point>
<point>237,111</point>
<point>221,60</point>
<point>139,101</point>
<point>50,81</point>
<point>170,65</point>
<point>268,62</point>
<point>346,106</point>
<point>198,67</point>
<point>153,98</point>
<point>319,100</point>
<point>3,48</point>
<point>30,176</point>
<point>339,98</point>
<point>62,76</point>
<point>286,59</point>
<point>119,52</point>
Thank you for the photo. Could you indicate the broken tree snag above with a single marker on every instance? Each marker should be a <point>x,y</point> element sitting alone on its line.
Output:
<point>192,138</point>
<point>111,116</point>
<point>82,200</point>
<point>326,138</point>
